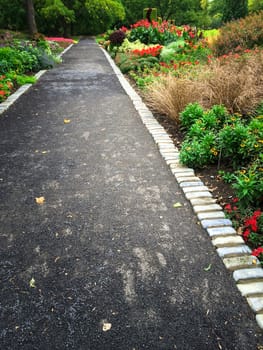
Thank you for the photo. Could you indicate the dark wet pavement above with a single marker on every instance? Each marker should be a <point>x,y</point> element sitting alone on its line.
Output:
<point>106,262</point>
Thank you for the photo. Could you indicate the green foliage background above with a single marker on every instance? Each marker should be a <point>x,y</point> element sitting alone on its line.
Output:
<point>76,17</point>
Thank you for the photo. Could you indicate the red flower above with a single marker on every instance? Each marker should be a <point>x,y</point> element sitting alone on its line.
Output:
<point>252,223</point>
<point>228,208</point>
<point>123,29</point>
<point>235,200</point>
<point>150,51</point>
<point>246,234</point>
<point>258,251</point>
<point>256,214</point>
<point>2,93</point>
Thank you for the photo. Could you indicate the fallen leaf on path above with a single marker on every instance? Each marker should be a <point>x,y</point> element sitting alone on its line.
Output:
<point>32,283</point>
<point>208,268</point>
<point>106,327</point>
<point>177,205</point>
<point>40,200</point>
<point>67,121</point>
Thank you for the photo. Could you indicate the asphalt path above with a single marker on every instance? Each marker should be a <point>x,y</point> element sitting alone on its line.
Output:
<point>93,254</point>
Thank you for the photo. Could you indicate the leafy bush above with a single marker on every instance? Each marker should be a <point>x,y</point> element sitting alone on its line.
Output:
<point>129,63</point>
<point>116,38</point>
<point>238,140</point>
<point>241,34</point>
<point>249,185</point>
<point>190,115</point>
<point>169,51</point>
<point>198,152</point>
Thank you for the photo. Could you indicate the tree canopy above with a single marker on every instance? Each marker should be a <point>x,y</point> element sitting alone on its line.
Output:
<point>75,17</point>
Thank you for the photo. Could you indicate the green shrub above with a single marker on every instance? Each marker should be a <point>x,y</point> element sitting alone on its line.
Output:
<point>198,152</point>
<point>249,185</point>
<point>231,140</point>
<point>190,114</point>
<point>245,33</point>
<point>169,51</point>
<point>25,79</point>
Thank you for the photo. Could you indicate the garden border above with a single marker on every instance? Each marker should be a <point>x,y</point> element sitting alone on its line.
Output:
<point>230,246</point>
<point>13,97</point>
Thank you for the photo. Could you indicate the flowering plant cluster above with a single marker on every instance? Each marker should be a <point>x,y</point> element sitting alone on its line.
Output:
<point>249,226</point>
<point>150,51</point>
<point>186,31</point>
<point>160,32</point>
<point>60,39</point>
<point>6,87</point>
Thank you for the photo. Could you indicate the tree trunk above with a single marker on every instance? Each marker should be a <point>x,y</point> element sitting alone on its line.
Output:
<point>31,17</point>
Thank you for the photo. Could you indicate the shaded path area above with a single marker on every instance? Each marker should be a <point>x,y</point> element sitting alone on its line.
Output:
<point>106,262</point>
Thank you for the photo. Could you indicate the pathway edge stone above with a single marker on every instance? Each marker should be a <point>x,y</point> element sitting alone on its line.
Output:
<point>231,249</point>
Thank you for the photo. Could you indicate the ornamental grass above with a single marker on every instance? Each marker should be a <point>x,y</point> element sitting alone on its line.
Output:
<point>170,95</point>
<point>234,81</point>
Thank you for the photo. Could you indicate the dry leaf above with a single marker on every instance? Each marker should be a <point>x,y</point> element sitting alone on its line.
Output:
<point>177,205</point>
<point>106,327</point>
<point>67,121</point>
<point>32,283</point>
<point>40,200</point>
<point>208,268</point>
<point>240,231</point>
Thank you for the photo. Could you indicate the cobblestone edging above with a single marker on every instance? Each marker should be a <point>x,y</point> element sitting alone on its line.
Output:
<point>230,246</point>
<point>12,98</point>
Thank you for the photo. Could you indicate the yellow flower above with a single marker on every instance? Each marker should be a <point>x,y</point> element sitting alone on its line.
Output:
<point>214,151</point>
<point>242,172</point>
<point>260,141</point>
<point>242,145</point>
<point>256,145</point>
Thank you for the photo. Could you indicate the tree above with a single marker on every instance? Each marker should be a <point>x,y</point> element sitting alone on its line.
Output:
<point>58,16</point>
<point>103,14</point>
<point>13,15</point>
<point>31,17</point>
<point>255,5</point>
<point>234,9</point>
